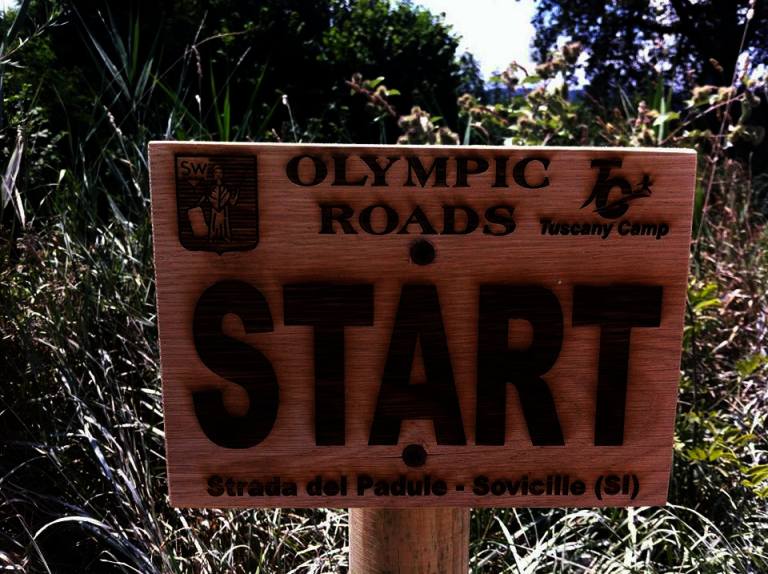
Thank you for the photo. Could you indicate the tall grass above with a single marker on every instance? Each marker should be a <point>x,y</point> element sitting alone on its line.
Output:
<point>82,472</point>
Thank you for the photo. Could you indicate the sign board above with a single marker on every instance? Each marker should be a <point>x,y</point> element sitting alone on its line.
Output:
<point>419,326</point>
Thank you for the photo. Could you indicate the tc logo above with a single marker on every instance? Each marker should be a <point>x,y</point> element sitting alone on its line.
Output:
<point>604,185</point>
<point>217,202</point>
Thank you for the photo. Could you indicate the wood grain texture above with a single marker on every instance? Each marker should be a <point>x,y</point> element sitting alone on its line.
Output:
<point>412,540</point>
<point>271,241</point>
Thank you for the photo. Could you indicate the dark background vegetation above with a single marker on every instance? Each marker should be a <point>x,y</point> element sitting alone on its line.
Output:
<point>86,84</point>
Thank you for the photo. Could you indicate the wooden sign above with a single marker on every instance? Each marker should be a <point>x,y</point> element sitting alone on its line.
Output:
<point>419,326</point>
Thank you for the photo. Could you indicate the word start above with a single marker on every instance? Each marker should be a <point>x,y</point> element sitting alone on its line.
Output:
<point>329,308</point>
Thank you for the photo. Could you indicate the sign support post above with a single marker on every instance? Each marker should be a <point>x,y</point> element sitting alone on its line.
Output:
<point>418,540</point>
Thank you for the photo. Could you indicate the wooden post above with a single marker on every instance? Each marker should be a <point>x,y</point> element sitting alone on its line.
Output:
<point>412,540</point>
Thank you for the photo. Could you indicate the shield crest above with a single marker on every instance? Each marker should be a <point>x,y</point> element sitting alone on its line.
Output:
<point>217,202</point>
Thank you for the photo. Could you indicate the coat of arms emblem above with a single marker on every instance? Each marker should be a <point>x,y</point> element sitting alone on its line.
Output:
<point>217,202</point>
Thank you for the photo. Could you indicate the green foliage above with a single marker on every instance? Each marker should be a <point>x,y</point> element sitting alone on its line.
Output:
<point>81,457</point>
<point>243,57</point>
<point>702,299</point>
<point>377,94</point>
<point>419,129</point>
<point>626,41</point>
<point>537,111</point>
<point>706,46</point>
<point>721,445</point>
<point>414,50</point>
